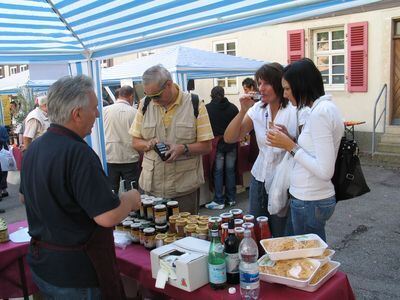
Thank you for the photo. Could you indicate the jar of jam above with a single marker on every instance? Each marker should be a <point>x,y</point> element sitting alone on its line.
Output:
<point>169,240</point>
<point>190,230</point>
<point>169,234</point>
<point>160,214</point>
<point>202,232</point>
<point>239,232</point>
<point>191,221</point>
<point>172,223</point>
<point>226,217</point>
<point>135,232</point>
<point>141,210</point>
<point>119,227</point>
<point>184,214</point>
<point>149,238</point>
<point>262,229</point>
<point>160,239</point>
<point>180,227</point>
<point>202,223</point>
<point>237,213</point>
<point>204,218</point>
<point>248,218</point>
<point>148,209</point>
<point>173,208</point>
<point>127,225</point>
<point>162,228</point>
<point>238,222</point>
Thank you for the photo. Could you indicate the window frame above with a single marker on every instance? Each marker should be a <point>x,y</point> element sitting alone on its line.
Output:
<point>13,68</point>
<point>23,68</point>
<point>331,86</point>
<point>228,90</point>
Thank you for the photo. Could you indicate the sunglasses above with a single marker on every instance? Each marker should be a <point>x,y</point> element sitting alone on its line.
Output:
<point>158,95</point>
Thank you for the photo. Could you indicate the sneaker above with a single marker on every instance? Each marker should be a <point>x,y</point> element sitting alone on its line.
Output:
<point>214,205</point>
<point>232,203</point>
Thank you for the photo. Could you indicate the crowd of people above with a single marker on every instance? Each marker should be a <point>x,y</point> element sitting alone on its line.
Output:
<point>72,214</point>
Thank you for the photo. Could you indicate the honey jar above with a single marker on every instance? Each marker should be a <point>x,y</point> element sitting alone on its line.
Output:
<point>149,238</point>
<point>190,230</point>
<point>135,232</point>
<point>160,214</point>
<point>180,227</point>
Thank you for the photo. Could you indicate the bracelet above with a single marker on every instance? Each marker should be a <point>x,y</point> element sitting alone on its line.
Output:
<point>185,149</point>
<point>294,150</point>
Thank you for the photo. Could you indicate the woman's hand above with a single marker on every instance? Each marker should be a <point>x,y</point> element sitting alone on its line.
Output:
<point>246,102</point>
<point>276,138</point>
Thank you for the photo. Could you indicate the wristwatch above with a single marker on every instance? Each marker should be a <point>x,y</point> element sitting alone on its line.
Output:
<point>294,150</point>
<point>185,149</point>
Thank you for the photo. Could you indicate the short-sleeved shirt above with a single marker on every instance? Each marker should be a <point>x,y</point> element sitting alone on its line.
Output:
<point>204,130</point>
<point>64,187</point>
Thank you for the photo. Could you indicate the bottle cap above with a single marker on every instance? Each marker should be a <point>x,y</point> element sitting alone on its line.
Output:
<point>232,290</point>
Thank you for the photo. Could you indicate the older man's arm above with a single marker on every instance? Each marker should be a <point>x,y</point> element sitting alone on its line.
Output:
<point>142,145</point>
<point>129,201</point>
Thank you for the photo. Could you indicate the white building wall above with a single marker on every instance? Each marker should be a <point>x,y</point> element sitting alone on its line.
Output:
<point>269,43</point>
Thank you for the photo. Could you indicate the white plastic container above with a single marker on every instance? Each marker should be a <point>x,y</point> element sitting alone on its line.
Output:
<point>299,253</point>
<point>316,286</point>
<point>326,259</point>
<point>296,283</point>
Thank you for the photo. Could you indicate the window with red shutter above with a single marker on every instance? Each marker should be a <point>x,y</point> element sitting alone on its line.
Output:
<point>357,52</point>
<point>295,45</point>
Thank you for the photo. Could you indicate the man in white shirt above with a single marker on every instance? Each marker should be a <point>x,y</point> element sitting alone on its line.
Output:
<point>122,159</point>
<point>36,122</point>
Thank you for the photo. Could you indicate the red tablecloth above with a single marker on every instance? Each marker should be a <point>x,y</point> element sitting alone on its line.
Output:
<point>9,270</point>
<point>134,262</point>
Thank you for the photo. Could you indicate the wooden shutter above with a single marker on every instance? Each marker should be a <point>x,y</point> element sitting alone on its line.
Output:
<point>295,45</point>
<point>357,56</point>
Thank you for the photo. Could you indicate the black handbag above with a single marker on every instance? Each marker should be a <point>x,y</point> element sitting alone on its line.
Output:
<point>348,178</point>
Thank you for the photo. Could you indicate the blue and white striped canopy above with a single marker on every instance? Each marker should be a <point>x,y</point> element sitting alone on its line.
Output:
<point>68,30</point>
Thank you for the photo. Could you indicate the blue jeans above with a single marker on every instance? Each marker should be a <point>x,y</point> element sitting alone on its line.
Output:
<point>53,292</point>
<point>258,206</point>
<point>225,165</point>
<point>311,216</point>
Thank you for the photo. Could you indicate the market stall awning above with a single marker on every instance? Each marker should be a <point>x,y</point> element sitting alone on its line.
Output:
<point>65,30</point>
<point>194,63</point>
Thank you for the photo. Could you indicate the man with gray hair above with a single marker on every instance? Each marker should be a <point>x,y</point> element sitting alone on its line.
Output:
<point>36,122</point>
<point>70,206</point>
<point>169,116</point>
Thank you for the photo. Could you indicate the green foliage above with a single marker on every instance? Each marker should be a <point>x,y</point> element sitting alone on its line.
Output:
<point>26,103</point>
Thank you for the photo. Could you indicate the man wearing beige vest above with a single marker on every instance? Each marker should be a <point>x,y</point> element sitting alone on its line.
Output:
<point>122,159</point>
<point>36,122</point>
<point>169,115</point>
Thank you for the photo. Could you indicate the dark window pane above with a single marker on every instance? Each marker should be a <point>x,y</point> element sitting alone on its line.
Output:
<point>325,79</point>
<point>322,36</point>
<point>323,46</point>
<point>231,46</point>
<point>324,70</point>
<point>337,59</point>
<point>220,47</point>
<point>336,79</point>
<point>323,60</point>
<point>231,52</point>
<point>337,35</point>
<point>221,82</point>
<point>339,69</point>
<point>336,45</point>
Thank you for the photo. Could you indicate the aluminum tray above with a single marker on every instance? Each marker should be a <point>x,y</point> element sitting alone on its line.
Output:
<point>299,253</point>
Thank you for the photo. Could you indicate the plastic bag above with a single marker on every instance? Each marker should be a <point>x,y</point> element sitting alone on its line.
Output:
<point>7,161</point>
<point>122,239</point>
<point>278,196</point>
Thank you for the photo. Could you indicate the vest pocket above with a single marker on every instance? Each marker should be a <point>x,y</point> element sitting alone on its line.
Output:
<point>148,131</point>
<point>146,176</point>
<point>185,132</point>
<point>186,175</point>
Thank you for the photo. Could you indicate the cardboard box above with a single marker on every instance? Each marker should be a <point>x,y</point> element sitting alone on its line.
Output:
<point>191,267</point>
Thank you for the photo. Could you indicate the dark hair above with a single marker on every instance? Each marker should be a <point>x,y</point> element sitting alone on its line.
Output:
<point>272,74</point>
<point>116,93</point>
<point>249,83</point>
<point>125,91</point>
<point>305,81</point>
<point>217,93</point>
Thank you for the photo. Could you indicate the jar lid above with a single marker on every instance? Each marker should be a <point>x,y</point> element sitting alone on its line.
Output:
<point>135,225</point>
<point>226,215</point>
<point>127,223</point>
<point>147,202</point>
<point>159,206</point>
<point>172,203</point>
<point>161,236</point>
<point>174,217</point>
<point>161,226</point>
<point>236,211</point>
<point>238,221</point>
<point>184,214</point>
<point>181,221</point>
<point>248,225</point>
<point>214,219</point>
<point>239,229</point>
<point>262,219</point>
<point>149,230</point>
<point>251,217</point>
<point>191,227</point>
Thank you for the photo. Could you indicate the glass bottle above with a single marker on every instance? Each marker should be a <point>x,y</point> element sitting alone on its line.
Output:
<point>216,261</point>
<point>232,254</point>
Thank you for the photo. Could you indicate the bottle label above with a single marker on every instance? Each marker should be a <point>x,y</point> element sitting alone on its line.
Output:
<point>249,278</point>
<point>217,273</point>
<point>232,262</point>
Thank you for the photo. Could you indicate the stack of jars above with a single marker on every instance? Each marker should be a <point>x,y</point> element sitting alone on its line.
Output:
<point>259,227</point>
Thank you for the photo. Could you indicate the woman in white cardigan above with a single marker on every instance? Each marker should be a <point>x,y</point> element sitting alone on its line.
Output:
<point>312,192</point>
